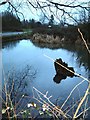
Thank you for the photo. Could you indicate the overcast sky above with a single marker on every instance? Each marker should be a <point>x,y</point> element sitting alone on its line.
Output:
<point>29,12</point>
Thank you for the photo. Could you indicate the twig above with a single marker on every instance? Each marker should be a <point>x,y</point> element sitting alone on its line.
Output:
<point>81,102</point>
<point>68,69</point>
<point>83,112</point>
<point>6,100</point>
<point>85,108</point>
<point>72,107</point>
<point>52,105</point>
<point>71,93</point>
<point>84,41</point>
<point>14,112</point>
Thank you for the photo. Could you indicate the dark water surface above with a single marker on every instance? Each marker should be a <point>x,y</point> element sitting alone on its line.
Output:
<point>17,55</point>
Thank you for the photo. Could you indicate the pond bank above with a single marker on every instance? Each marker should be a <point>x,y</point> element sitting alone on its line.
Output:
<point>15,37</point>
<point>51,39</point>
<point>44,39</point>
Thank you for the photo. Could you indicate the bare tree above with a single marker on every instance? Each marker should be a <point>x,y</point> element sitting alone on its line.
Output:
<point>49,7</point>
<point>89,12</point>
<point>83,17</point>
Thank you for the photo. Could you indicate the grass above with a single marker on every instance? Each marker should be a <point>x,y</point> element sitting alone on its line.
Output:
<point>70,33</point>
<point>27,30</point>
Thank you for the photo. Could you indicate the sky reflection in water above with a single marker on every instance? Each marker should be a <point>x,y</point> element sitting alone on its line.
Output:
<point>24,53</point>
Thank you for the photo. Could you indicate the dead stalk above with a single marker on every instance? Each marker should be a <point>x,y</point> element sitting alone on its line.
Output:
<point>49,104</point>
<point>84,41</point>
<point>81,102</point>
<point>68,69</point>
<point>84,79</point>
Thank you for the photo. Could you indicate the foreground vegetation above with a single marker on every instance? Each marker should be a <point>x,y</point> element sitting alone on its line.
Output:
<point>13,90</point>
<point>18,104</point>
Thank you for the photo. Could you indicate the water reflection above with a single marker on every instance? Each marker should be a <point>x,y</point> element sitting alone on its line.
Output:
<point>62,70</point>
<point>10,44</point>
<point>46,45</point>
<point>58,77</point>
<point>82,56</point>
<point>26,53</point>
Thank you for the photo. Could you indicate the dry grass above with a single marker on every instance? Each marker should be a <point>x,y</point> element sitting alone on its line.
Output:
<point>13,93</point>
<point>84,41</point>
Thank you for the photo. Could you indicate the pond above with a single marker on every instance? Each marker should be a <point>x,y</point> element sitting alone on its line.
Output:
<point>17,55</point>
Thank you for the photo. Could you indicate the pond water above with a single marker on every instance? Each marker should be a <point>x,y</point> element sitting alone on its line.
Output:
<point>17,55</point>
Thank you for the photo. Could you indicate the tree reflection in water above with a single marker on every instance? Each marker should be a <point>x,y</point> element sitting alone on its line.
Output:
<point>61,71</point>
<point>10,45</point>
<point>58,77</point>
<point>82,57</point>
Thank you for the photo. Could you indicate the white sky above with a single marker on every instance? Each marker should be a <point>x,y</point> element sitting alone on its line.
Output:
<point>30,13</point>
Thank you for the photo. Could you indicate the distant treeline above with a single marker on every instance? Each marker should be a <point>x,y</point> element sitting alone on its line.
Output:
<point>12,23</point>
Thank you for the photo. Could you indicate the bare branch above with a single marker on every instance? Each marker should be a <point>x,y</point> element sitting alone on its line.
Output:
<point>31,4</point>
<point>69,6</point>
<point>16,10</point>
<point>49,7</point>
<point>3,3</point>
